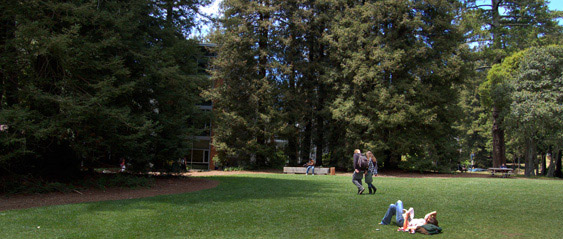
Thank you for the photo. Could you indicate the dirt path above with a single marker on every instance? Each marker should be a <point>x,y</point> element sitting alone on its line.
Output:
<point>162,186</point>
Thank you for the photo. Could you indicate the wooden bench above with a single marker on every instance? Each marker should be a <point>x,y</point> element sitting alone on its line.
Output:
<point>294,170</point>
<point>505,172</point>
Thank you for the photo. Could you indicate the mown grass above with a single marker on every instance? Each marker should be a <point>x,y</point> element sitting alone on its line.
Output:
<point>299,206</point>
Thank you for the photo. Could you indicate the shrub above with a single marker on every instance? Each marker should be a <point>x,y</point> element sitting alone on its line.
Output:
<point>278,159</point>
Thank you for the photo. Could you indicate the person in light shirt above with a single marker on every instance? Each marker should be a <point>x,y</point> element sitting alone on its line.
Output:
<point>405,218</point>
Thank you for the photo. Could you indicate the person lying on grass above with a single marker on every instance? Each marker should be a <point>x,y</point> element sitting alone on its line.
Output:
<point>405,219</point>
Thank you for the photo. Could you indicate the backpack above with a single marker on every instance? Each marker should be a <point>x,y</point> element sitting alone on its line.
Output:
<point>363,162</point>
<point>429,229</point>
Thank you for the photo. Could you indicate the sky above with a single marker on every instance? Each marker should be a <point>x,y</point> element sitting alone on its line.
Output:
<point>556,5</point>
<point>213,8</point>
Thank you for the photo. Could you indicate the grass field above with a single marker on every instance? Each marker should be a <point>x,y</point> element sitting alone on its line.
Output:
<point>299,206</point>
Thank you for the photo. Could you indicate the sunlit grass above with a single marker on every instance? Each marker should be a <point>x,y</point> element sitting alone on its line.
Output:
<point>299,206</point>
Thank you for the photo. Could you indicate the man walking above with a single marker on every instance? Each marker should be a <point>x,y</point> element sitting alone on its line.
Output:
<point>358,172</point>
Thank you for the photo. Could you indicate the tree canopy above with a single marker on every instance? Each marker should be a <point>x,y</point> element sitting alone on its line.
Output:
<point>536,110</point>
<point>89,82</point>
<point>422,84</point>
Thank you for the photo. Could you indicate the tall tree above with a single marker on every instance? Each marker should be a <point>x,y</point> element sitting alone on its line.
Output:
<point>474,124</point>
<point>291,43</point>
<point>399,65</point>
<point>537,99</point>
<point>502,27</point>
<point>245,94</point>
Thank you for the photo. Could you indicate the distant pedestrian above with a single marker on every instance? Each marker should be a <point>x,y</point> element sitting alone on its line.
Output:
<point>372,171</point>
<point>122,165</point>
<point>358,172</point>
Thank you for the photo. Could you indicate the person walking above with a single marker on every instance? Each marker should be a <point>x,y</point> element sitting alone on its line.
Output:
<point>372,171</point>
<point>358,172</point>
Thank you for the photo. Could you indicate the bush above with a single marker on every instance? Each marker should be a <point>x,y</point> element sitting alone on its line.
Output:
<point>233,168</point>
<point>326,160</point>
<point>278,160</point>
<point>120,180</point>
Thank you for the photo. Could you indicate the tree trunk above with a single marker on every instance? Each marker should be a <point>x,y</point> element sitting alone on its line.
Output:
<point>292,151</point>
<point>293,139</point>
<point>495,26</point>
<point>320,124</point>
<point>530,155</point>
<point>498,140</point>
<point>306,142</point>
<point>262,65</point>
<point>543,166</point>
<point>551,159</point>
<point>537,164</point>
<point>320,140</point>
<point>498,133</point>
<point>558,172</point>
<point>9,85</point>
<point>337,143</point>
<point>520,156</point>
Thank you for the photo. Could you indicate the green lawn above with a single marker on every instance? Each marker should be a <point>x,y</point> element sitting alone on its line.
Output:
<point>299,206</point>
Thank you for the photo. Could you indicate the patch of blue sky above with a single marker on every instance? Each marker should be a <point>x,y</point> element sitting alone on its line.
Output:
<point>210,11</point>
<point>553,5</point>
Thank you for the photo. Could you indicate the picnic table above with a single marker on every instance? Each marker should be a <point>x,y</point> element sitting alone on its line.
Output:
<point>505,172</point>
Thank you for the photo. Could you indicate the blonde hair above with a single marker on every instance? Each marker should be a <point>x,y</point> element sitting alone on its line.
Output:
<point>369,154</point>
<point>357,151</point>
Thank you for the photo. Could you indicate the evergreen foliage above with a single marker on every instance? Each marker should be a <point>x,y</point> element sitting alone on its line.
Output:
<point>536,112</point>
<point>245,96</point>
<point>86,83</point>
<point>498,29</point>
<point>376,75</point>
<point>422,84</point>
<point>400,64</point>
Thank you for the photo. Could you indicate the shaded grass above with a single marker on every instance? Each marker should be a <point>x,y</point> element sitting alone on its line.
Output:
<point>33,185</point>
<point>297,206</point>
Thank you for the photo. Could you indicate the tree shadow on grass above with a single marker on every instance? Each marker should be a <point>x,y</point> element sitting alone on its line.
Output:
<point>230,189</point>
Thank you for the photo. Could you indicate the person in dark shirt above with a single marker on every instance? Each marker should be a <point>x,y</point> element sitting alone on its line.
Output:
<point>358,173</point>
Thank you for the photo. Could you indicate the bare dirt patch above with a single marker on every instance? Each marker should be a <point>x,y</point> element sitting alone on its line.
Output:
<point>164,186</point>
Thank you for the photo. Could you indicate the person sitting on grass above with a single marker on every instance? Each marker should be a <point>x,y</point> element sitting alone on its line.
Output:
<point>405,219</point>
